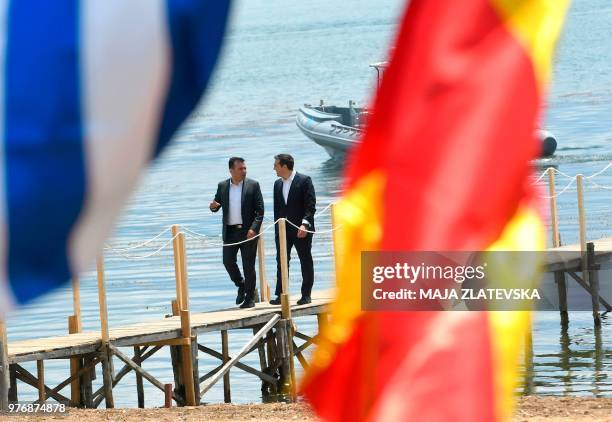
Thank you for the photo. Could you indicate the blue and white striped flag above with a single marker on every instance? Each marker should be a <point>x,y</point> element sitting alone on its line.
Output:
<point>92,91</point>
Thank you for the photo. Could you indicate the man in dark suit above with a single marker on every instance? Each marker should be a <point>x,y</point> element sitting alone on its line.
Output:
<point>295,200</point>
<point>243,211</point>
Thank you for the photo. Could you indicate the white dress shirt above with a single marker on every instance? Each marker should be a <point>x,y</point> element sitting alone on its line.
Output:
<point>235,203</point>
<point>286,186</point>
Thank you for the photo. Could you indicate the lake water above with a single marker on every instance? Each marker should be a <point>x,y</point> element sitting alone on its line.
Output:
<point>278,56</point>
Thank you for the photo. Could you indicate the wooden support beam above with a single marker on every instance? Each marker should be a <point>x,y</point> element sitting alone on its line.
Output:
<point>40,371</point>
<point>175,357</point>
<point>142,372</point>
<point>594,283</point>
<point>210,373</point>
<point>227,394</point>
<point>139,386</point>
<point>262,375</point>
<point>107,375</point>
<point>196,369</point>
<point>75,362</point>
<point>4,367</point>
<point>301,358</point>
<point>226,367</point>
<point>273,361</point>
<point>86,385</point>
<point>261,351</point>
<point>562,292</point>
<point>13,395</point>
<point>187,363</point>
<point>169,342</point>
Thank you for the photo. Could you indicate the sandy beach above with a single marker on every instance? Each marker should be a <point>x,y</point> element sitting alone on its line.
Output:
<point>531,408</point>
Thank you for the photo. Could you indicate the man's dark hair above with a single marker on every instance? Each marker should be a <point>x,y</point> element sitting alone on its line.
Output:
<point>233,160</point>
<point>285,160</point>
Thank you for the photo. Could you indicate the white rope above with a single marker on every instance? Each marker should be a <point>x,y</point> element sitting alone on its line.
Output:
<point>600,171</point>
<point>541,176</point>
<point>132,257</point>
<point>559,193</point>
<point>196,234</point>
<point>545,172</point>
<point>316,232</point>
<point>261,232</point>
<point>140,245</point>
<point>317,214</point>
<point>598,185</point>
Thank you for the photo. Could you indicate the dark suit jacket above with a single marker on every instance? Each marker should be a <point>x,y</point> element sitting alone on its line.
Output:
<point>252,208</point>
<point>300,204</point>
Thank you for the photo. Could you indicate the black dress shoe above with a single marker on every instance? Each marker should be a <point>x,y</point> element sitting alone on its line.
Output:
<point>304,300</point>
<point>276,301</point>
<point>248,304</point>
<point>241,293</point>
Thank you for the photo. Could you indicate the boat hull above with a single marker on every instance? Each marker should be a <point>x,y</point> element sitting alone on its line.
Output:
<point>328,130</point>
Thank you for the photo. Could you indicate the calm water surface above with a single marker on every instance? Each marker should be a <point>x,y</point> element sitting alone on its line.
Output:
<point>280,55</point>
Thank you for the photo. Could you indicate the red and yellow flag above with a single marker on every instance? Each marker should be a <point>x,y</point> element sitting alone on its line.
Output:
<point>444,165</point>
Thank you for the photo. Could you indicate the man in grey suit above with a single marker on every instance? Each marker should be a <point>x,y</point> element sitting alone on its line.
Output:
<point>243,211</point>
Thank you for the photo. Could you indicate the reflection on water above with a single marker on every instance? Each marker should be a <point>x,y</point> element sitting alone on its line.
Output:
<point>580,363</point>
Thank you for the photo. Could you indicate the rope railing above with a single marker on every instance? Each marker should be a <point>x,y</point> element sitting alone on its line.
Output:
<point>208,240</point>
<point>545,172</point>
<point>140,245</point>
<point>132,257</point>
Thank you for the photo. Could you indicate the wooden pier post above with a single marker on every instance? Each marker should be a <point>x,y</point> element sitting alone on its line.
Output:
<point>227,394</point>
<point>581,217</point>
<point>286,325</point>
<point>184,279</point>
<point>176,359</point>
<point>593,271</point>
<point>264,289</point>
<point>187,363</point>
<point>177,269</point>
<point>75,364</point>
<point>196,369</point>
<point>106,356</point>
<point>4,363</point>
<point>40,373</point>
<point>167,395</point>
<point>13,394</point>
<point>86,383</point>
<point>554,221</point>
<point>560,277</point>
<point>139,384</point>
<point>76,303</point>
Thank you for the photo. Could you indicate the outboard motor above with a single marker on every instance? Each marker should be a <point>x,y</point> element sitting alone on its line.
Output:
<point>547,141</point>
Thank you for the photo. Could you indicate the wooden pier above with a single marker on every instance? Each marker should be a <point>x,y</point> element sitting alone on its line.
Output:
<point>274,339</point>
<point>89,350</point>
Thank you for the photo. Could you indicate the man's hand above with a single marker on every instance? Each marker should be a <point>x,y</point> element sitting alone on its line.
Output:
<point>251,233</point>
<point>302,232</point>
<point>214,206</point>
